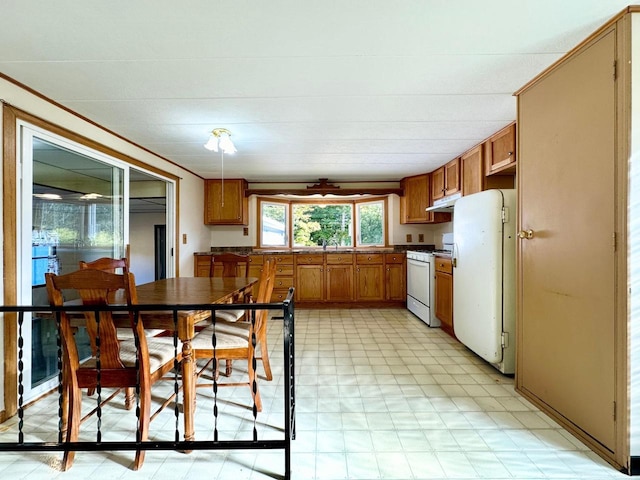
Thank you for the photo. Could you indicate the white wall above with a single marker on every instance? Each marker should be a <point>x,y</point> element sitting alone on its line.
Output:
<point>141,239</point>
<point>634,242</point>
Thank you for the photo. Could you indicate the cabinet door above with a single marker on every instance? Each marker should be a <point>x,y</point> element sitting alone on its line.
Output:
<point>225,202</point>
<point>395,280</point>
<point>452,177</point>
<point>339,280</point>
<point>437,184</point>
<point>472,171</point>
<point>444,300</point>
<point>201,265</point>
<point>500,150</point>
<point>370,282</point>
<point>415,199</point>
<point>309,283</point>
<point>255,265</point>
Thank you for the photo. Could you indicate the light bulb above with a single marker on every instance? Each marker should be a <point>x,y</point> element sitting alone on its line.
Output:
<point>212,144</point>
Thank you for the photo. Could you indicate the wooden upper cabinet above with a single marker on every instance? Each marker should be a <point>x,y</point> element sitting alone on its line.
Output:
<point>500,151</point>
<point>438,183</point>
<point>225,202</point>
<point>445,180</point>
<point>415,199</point>
<point>452,177</point>
<point>472,169</point>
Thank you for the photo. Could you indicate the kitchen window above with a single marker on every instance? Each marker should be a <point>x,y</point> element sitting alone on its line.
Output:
<point>322,223</point>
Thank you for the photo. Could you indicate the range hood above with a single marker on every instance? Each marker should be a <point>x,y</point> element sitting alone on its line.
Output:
<point>444,204</point>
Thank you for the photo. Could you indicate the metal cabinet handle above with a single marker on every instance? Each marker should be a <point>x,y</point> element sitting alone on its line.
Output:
<point>525,234</point>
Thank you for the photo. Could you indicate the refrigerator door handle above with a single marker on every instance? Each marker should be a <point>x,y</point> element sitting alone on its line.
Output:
<point>454,255</point>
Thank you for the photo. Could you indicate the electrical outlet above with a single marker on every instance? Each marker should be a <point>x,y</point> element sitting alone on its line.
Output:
<point>245,231</point>
<point>421,237</point>
<point>409,238</point>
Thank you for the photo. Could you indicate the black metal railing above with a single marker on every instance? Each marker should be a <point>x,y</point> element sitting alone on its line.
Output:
<point>18,313</point>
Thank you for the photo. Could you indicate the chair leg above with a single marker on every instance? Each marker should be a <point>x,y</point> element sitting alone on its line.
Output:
<point>145,413</point>
<point>264,356</point>
<point>129,398</point>
<point>64,406</point>
<point>73,424</point>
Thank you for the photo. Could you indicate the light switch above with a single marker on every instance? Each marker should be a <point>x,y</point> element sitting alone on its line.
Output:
<point>421,237</point>
<point>184,238</point>
<point>409,238</point>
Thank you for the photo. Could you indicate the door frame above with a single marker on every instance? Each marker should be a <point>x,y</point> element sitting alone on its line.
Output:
<point>10,228</point>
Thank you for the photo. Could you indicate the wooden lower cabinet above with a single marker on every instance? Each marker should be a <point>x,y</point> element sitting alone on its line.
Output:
<point>370,276</point>
<point>395,277</point>
<point>444,294</point>
<point>339,277</point>
<point>339,283</point>
<point>284,277</point>
<point>309,283</point>
<point>331,277</point>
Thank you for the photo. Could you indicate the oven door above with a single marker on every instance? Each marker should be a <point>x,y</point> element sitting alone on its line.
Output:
<point>418,281</point>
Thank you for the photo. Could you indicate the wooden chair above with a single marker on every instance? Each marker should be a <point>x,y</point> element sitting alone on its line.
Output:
<point>230,265</point>
<point>116,265</point>
<point>107,264</point>
<point>234,340</point>
<point>117,358</point>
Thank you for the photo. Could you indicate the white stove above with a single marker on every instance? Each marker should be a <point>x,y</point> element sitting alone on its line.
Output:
<point>421,281</point>
<point>421,286</point>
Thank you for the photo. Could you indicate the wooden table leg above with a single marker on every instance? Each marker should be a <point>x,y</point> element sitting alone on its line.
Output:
<point>188,389</point>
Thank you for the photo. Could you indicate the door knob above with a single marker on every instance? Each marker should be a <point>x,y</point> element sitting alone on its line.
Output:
<point>528,234</point>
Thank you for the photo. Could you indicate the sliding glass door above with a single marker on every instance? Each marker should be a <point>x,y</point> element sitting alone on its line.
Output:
<point>74,206</point>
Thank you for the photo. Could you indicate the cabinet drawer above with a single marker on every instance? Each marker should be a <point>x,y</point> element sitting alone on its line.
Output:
<point>256,259</point>
<point>394,257</point>
<point>279,294</point>
<point>283,282</point>
<point>444,265</point>
<point>286,259</point>
<point>368,258</point>
<point>339,258</point>
<point>284,270</point>
<point>310,259</point>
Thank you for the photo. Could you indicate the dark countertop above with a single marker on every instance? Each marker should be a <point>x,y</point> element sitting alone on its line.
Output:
<point>294,251</point>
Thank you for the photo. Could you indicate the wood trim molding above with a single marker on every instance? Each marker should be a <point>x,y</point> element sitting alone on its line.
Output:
<point>10,263</point>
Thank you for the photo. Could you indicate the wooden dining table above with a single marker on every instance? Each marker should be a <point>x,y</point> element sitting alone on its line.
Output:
<point>188,291</point>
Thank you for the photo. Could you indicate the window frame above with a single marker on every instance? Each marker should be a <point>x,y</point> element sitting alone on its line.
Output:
<point>353,202</point>
<point>288,231</point>
<point>357,223</point>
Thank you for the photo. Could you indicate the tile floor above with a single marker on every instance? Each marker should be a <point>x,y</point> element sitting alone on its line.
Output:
<point>379,395</point>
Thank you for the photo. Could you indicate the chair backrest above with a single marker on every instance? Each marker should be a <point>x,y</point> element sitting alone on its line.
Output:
<point>94,288</point>
<point>266,281</point>
<point>233,265</point>
<point>107,264</point>
<point>265,289</point>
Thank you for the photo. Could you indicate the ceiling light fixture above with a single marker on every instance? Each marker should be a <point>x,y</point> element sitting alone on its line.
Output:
<point>220,140</point>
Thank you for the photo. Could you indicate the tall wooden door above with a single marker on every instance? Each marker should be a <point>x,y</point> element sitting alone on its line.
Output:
<point>567,191</point>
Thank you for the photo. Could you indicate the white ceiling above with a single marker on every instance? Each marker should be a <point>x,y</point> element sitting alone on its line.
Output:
<point>348,90</point>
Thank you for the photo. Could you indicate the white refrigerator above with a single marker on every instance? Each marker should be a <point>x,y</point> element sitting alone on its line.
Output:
<point>484,256</point>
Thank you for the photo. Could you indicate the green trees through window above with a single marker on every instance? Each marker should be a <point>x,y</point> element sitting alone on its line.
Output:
<point>322,224</point>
